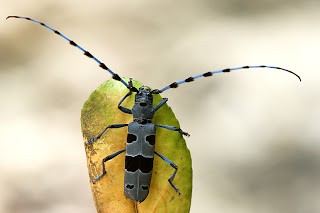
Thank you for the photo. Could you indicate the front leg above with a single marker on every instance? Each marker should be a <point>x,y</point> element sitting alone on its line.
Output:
<point>110,126</point>
<point>161,104</point>
<point>172,128</point>
<point>123,109</point>
<point>131,89</point>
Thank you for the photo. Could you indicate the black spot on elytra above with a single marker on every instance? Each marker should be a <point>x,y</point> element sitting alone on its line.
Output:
<point>144,188</point>
<point>129,186</point>
<point>151,139</point>
<point>131,138</point>
<point>144,164</point>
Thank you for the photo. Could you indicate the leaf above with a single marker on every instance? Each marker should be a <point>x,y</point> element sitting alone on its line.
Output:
<point>101,110</point>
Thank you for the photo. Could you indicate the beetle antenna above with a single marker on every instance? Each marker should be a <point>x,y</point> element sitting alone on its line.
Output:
<point>102,65</point>
<point>208,74</point>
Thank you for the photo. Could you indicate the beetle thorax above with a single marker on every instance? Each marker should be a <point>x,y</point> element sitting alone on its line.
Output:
<point>143,110</point>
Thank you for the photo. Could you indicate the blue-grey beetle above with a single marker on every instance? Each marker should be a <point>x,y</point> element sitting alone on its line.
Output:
<point>140,144</point>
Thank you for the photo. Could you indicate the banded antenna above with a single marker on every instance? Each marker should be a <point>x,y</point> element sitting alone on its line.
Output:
<point>208,74</point>
<point>102,65</point>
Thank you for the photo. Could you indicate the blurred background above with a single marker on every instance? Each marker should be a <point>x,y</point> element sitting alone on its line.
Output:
<point>254,133</point>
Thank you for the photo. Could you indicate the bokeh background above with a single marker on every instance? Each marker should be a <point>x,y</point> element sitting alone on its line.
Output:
<point>254,133</point>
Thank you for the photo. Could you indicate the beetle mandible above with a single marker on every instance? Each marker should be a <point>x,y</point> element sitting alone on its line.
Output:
<point>140,147</point>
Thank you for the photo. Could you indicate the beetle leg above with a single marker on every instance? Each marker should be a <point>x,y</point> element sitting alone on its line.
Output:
<point>110,126</point>
<point>109,157</point>
<point>172,128</point>
<point>161,104</point>
<point>123,109</point>
<point>169,162</point>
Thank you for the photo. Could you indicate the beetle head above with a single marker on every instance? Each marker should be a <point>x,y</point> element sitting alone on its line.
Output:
<point>144,95</point>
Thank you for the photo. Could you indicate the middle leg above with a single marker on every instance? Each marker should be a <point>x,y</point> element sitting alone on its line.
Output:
<point>110,126</point>
<point>172,128</point>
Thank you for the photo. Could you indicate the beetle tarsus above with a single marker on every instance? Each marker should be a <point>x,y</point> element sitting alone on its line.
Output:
<point>99,177</point>
<point>185,133</point>
<point>92,140</point>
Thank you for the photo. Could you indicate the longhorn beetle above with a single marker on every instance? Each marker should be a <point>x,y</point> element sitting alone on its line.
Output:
<point>140,147</point>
